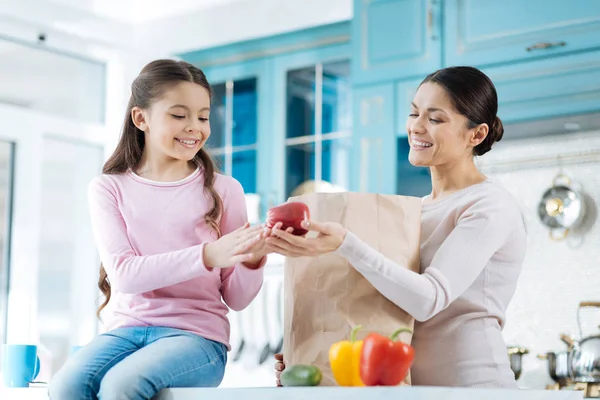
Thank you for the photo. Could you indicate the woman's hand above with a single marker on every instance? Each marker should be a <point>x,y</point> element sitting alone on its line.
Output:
<point>330,237</point>
<point>233,248</point>
<point>279,367</point>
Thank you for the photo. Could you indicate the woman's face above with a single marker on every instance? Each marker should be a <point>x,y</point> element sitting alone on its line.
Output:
<point>437,133</point>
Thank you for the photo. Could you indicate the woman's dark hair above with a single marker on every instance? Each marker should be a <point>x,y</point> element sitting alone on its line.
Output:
<point>153,81</point>
<point>473,95</point>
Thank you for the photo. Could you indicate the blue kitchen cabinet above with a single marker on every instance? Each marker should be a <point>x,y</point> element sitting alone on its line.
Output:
<point>267,131</point>
<point>238,128</point>
<point>311,119</point>
<point>380,145</point>
<point>549,88</point>
<point>374,153</point>
<point>488,32</point>
<point>394,39</point>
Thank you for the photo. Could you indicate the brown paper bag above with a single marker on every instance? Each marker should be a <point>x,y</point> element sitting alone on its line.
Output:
<point>325,297</point>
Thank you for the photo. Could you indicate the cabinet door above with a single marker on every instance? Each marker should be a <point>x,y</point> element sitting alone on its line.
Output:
<point>548,88</point>
<point>373,168</point>
<point>311,124</point>
<point>485,32</point>
<point>239,126</point>
<point>395,39</point>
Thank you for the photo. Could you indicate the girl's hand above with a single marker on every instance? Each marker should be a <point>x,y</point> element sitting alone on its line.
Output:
<point>233,248</point>
<point>259,250</point>
<point>331,235</point>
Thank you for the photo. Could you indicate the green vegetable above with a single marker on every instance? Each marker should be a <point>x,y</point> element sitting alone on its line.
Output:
<point>301,375</point>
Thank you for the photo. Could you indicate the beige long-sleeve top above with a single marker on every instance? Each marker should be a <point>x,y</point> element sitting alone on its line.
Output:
<point>473,244</point>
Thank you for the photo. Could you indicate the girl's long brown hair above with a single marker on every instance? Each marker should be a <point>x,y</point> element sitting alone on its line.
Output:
<point>152,82</point>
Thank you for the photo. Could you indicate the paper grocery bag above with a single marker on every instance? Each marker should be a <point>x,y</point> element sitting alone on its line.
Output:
<point>325,297</point>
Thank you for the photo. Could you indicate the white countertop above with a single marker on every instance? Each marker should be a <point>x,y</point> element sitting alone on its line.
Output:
<point>331,393</point>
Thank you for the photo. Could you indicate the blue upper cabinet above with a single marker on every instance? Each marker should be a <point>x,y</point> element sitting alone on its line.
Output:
<point>311,121</point>
<point>395,39</point>
<point>374,144</point>
<point>487,32</point>
<point>236,121</point>
<point>543,89</point>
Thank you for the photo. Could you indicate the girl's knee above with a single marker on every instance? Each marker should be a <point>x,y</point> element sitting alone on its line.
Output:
<point>117,385</point>
<point>69,384</point>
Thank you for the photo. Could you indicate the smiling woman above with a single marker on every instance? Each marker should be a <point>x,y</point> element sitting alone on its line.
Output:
<point>473,239</point>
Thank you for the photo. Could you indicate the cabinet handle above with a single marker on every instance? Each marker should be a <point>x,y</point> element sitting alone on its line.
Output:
<point>545,45</point>
<point>430,21</point>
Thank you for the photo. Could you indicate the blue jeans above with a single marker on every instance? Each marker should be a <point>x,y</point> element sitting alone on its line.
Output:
<point>137,362</point>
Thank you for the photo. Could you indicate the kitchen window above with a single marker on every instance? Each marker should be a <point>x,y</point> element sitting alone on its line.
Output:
<point>318,127</point>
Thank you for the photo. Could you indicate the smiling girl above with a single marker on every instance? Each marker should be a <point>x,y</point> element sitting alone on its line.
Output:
<point>473,239</point>
<point>175,246</point>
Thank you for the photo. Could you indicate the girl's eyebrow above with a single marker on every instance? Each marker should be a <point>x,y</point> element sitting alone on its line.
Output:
<point>187,108</point>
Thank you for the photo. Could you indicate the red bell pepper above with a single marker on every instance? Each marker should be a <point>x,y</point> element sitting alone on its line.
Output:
<point>385,361</point>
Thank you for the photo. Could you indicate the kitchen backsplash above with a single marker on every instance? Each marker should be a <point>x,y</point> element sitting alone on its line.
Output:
<point>556,275</point>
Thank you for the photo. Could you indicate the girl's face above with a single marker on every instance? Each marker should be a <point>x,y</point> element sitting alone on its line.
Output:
<point>176,125</point>
<point>437,133</point>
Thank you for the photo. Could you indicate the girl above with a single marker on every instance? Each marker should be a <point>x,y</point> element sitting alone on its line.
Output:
<point>173,238</point>
<point>473,239</point>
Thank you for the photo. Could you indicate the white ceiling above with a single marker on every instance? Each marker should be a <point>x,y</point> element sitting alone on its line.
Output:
<point>141,11</point>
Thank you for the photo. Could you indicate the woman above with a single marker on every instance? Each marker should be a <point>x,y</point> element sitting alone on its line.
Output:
<point>473,239</point>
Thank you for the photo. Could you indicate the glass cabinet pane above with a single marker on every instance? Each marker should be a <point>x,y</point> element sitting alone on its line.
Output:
<point>300,102</point>
<point>219,161</point>
<point>300,165</point>
<point>337,101</point>
<point>412,181</point>
<point>244,169</point>
<point>217,117</point>
<point>244,112</point>
<point>335,162</point>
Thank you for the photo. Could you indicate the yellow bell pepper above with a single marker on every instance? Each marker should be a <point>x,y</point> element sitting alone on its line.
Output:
<point>344,358</point>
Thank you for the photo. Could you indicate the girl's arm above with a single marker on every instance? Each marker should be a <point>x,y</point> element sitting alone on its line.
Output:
<point>128,272</point>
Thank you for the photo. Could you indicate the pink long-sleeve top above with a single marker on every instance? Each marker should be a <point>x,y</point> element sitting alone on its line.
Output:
<point>473,244</point>
<point>151,237</point>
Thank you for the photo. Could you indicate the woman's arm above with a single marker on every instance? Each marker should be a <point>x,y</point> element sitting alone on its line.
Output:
<point>128,272</point>
<point>480,231</point>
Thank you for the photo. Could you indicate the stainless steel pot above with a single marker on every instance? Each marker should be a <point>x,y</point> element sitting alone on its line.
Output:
<point>515,355</point>
<point>585,354</point>
<point>559,365</point>
<point>559,362</point>
<point>561,207</point>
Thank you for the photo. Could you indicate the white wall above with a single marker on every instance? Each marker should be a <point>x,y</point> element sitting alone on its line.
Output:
<point>556,275</point>
<point>247,19</point>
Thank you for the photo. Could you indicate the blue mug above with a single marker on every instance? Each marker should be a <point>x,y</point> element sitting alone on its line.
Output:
<point>20,364</point>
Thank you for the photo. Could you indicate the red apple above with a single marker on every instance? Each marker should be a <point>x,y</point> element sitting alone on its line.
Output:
<point>290,215</point>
